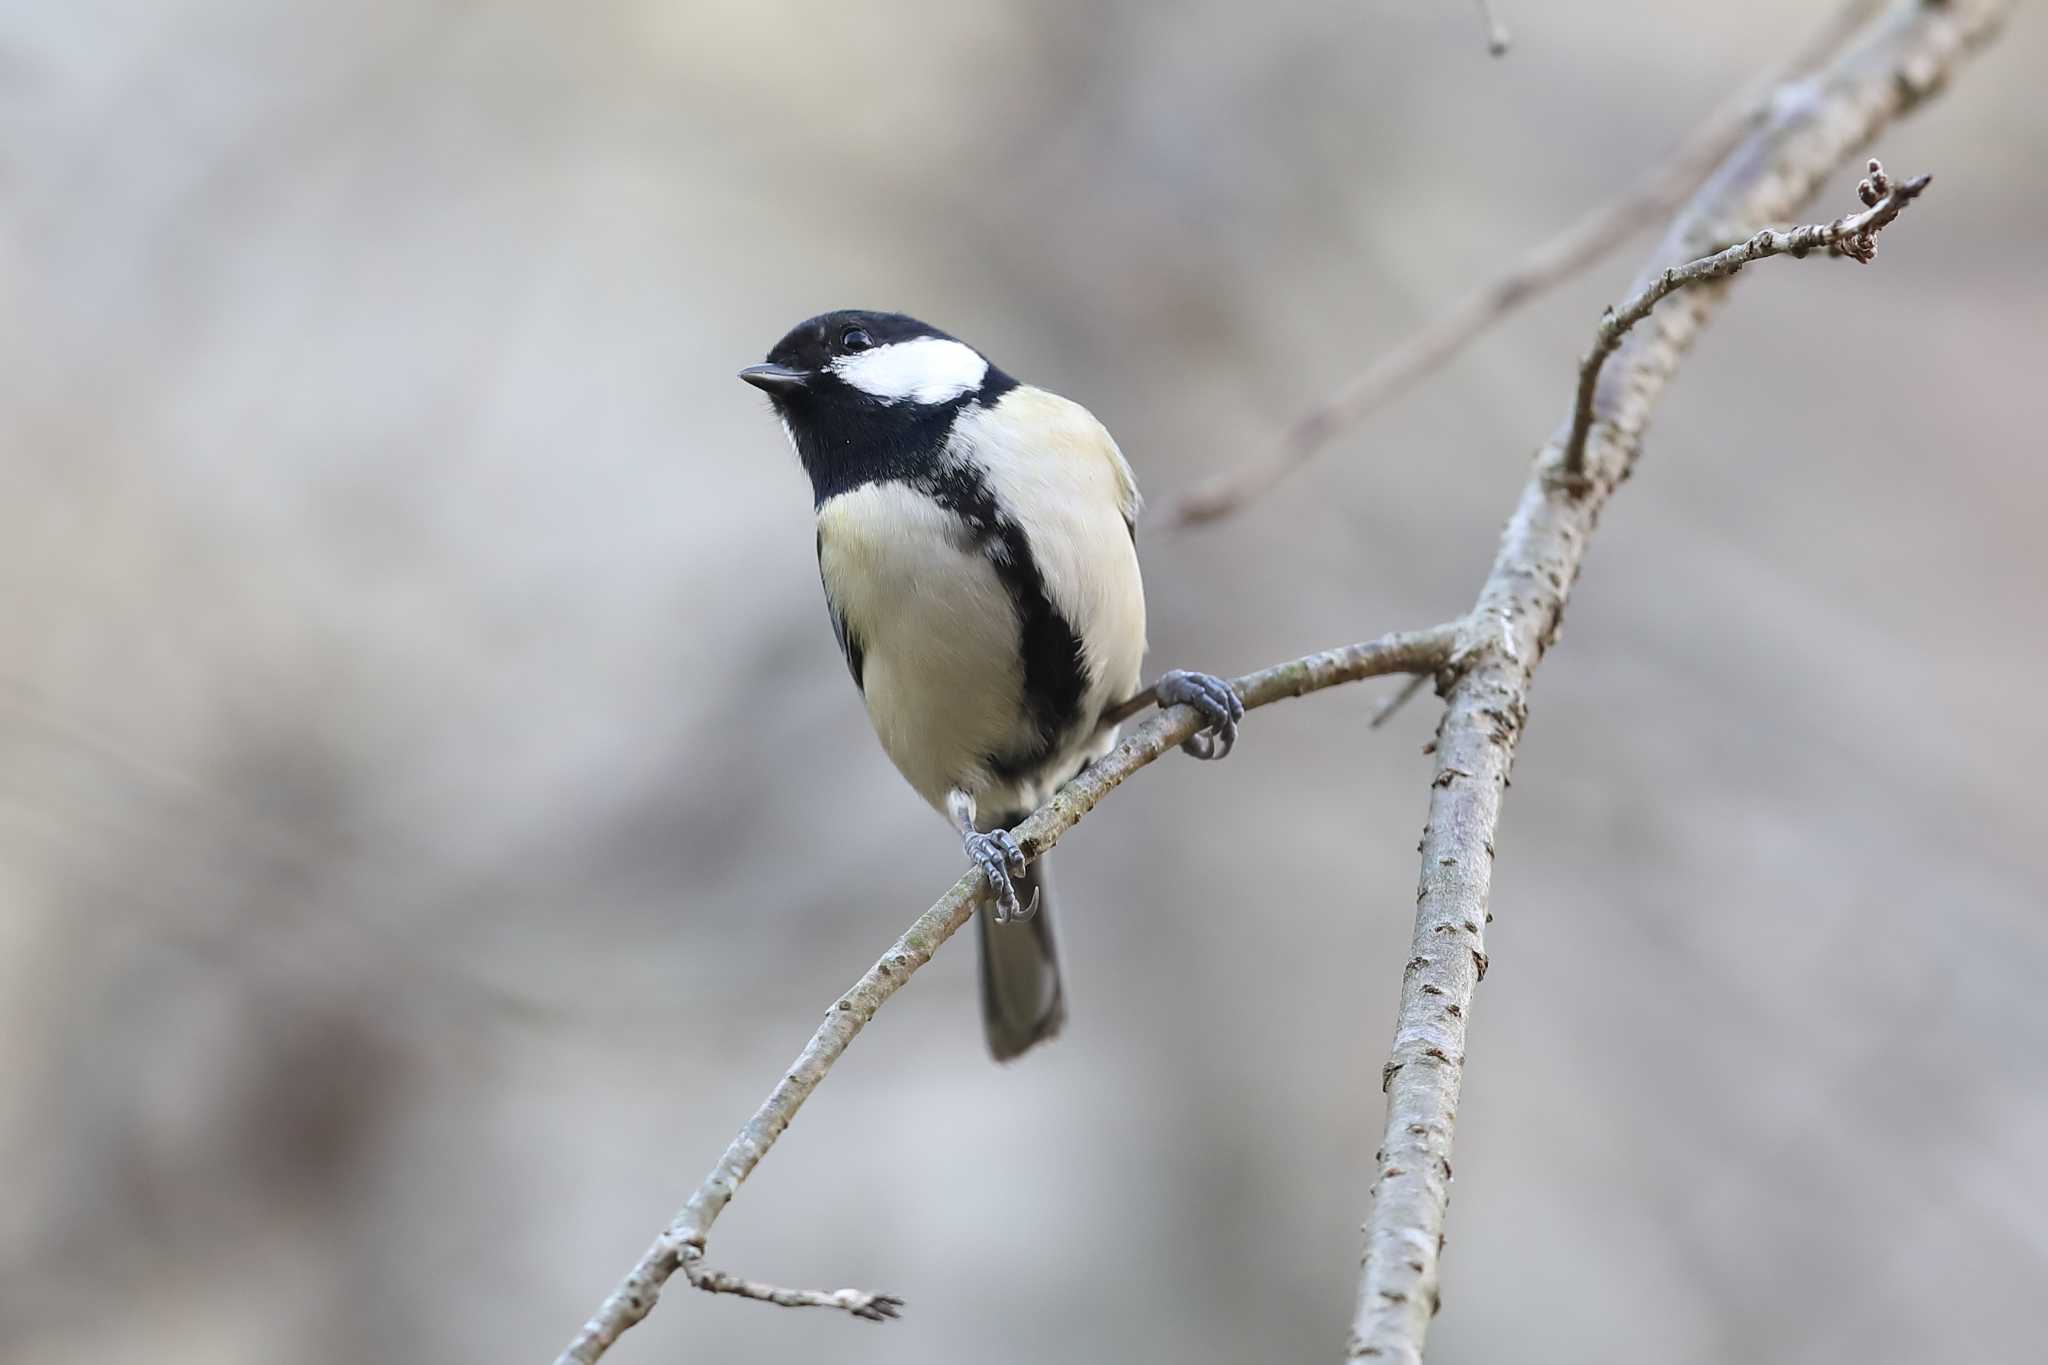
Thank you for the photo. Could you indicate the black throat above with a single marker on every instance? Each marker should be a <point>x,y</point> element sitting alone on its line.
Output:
<point>846,439</point>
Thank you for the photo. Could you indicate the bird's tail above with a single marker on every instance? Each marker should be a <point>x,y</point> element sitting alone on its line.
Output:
<point>1021,999</point>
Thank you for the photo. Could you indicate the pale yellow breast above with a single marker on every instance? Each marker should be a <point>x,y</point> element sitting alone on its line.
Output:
<point>941,676</point>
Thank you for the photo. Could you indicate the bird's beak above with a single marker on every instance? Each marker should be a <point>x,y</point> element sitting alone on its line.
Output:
<point>774,379</point>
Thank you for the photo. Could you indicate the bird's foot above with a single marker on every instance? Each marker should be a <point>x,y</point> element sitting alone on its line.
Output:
<point>1218,702</point>
<point>998,855</point>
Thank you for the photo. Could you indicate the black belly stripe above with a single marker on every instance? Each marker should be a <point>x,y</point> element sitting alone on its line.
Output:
<point>1055,666</point>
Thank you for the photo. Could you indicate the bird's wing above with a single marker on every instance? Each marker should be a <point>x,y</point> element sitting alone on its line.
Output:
<point>1058,475</point>
<point>1129,501</point>
<point>849,643</point>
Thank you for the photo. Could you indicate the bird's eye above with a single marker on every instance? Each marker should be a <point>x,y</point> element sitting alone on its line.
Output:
<point>856,339</point>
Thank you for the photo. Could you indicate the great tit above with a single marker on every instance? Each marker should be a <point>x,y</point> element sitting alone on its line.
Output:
<point>977,542</point>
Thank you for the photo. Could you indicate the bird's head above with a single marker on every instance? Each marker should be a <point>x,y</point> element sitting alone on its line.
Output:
<point>855,361</point>
<point>866,395</point>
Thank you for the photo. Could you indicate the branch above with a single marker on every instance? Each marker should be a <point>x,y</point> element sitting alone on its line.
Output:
<point>1544,267</point>
<point>681,1245</point>
<point>1517,617</point>
<point>1490,657</point>
<point>1852,235</point>
<point>860,1303</point>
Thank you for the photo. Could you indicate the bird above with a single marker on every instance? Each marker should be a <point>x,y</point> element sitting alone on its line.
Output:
<point>977,542</point>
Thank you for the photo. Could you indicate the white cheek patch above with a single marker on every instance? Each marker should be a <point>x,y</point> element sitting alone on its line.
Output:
<point>926,370</point>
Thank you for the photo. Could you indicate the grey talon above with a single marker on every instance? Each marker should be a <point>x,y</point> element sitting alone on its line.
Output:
<point>1007,842</point>
<point>1218,703</point>
<point>998,854</point>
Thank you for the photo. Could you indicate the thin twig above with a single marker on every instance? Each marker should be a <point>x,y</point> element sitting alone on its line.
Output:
<point>1549,264</point>
<point>1124,710</point>
<point>1517,617</point>
<point>1384,712</point>
<point>860,1303</point>
<point>1496,32</point>
<point>1852,235</point>
<point>682,1243</point>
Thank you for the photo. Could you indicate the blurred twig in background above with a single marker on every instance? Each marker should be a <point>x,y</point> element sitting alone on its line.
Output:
<point>1496,32</point>
<point>1543,268</point>
<point>1485,663</point>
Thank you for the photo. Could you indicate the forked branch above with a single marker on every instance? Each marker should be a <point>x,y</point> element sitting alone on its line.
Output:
<point>1520,610</point>
<point>681,1244</point>
<point>1485,663</point>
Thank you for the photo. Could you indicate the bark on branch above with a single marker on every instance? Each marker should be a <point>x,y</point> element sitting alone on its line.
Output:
<point>681,1244</point>
<point>1813,129</point>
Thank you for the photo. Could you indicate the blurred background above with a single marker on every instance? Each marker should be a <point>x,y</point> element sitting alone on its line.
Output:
<point>433,811</point>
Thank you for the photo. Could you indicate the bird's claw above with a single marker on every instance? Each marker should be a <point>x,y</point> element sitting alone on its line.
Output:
<point>878,1307</point>
<point>1218,702</point>
<point>999,857</point>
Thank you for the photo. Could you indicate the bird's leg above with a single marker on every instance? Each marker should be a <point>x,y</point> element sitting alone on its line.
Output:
<point>1218,702</point>
<point>997,854</point>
